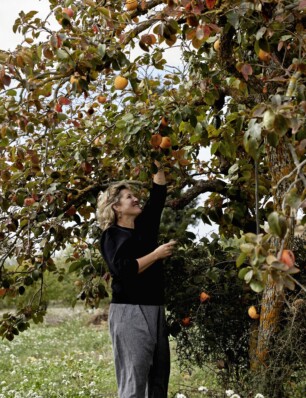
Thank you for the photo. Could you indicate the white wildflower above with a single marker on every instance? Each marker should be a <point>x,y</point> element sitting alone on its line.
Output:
<point>178,395</point>
<point>229,393</point>
<point>235,396</point>
<point>259,396</point>
<point>203,389</point>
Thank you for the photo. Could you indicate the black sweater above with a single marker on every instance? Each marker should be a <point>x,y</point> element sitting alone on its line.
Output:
<point>120,248</point>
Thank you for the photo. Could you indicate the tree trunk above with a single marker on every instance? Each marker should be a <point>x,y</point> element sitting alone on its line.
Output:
<point>265,361</point>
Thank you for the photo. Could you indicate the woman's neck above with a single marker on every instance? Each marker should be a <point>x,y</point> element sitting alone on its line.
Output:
<point>126,223</point>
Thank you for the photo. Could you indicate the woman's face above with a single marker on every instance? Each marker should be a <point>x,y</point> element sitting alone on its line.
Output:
<point>128,204</point>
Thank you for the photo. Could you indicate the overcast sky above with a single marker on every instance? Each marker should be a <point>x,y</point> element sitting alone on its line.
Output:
<point>9,13</point>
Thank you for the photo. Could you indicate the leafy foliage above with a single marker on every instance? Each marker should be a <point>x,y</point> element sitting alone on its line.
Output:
<point>219,325</point>
<point>218,328</point>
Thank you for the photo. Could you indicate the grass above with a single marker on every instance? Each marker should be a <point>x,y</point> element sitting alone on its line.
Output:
<point>68,357</point>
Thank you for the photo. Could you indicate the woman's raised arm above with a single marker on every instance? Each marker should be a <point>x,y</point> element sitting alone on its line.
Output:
<point>159,178</point>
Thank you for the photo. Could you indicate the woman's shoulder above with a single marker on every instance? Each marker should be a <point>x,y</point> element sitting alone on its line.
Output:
<point>115,235</point>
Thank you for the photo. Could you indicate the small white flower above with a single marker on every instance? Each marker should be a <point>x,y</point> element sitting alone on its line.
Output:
<point>203,389</point>
<point>259,396</point>
<point>229,393</point>
<point>180,396</point>
<point>235,396</point>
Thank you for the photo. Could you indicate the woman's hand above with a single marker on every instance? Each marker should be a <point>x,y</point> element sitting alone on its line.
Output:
<point>165,250</point>
<point>159,253</point>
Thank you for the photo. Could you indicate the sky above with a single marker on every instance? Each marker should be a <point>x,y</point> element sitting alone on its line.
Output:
<point>8,40</point>
<point>9,13</point>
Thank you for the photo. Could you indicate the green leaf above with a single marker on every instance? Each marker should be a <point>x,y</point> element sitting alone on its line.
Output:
<point>47,249</point>
<point>178,118</point>
<point>273,138</point>
<point>105,11</point>
<point>62,54</point>
<point>242,273</point>
<point>268,119</point>
<point>214,147</point>
<point>205,219</point>
<point>240,259</point>
<point>11,93</point>
<point>4,142</point>
<point>24,221</point>
<point>252,138</point>
<point>101,50</point>
<point>289,283</point>
<point>251,238</point>
<point>232,116</point>
<point>30,14</point>
<point>279,266</point>
<point>257,286</point>
<point>293,199</point>
<point>233,19</point>
<point>28,280</point>
<point>273,221</point>
<point>120,124</point>
<point>209,98</point>
<point>193,120</point>
<point>247,248</point>
<point>212,131</point>
<point>293,270</point>
<point>248,276</point>
<point>264,44</point>
<point>128,117</point>
<point>280,125</point>
<point>76,265</point>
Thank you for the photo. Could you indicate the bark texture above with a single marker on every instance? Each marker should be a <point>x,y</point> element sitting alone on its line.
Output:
<point>265,359</point>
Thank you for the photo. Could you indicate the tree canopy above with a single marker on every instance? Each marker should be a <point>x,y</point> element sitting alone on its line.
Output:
<point>88,102</point>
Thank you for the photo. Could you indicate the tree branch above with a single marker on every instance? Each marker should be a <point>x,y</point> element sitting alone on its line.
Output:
<point>198,188</point>
<point>144,24</point>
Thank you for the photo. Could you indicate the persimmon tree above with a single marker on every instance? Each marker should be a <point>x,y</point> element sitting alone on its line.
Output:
<point>70,126</point>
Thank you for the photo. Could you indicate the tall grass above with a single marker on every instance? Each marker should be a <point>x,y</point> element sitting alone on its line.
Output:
<point>69,357</point>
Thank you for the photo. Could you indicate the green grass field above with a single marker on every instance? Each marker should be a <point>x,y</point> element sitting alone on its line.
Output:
<point>68,356</point>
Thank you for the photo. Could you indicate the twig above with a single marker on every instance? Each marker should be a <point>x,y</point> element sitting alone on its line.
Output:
<point>300,165</point>
<point>297,282</point>
<point>256,197</point>
<point>297,164</point>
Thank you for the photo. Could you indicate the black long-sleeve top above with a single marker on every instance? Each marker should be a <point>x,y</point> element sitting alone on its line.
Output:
<point>120,247</point>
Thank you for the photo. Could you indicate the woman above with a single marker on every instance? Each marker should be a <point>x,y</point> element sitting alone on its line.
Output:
<point>136,317</point>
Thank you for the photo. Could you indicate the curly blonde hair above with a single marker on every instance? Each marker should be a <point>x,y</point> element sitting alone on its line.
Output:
<point>105,213</point>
